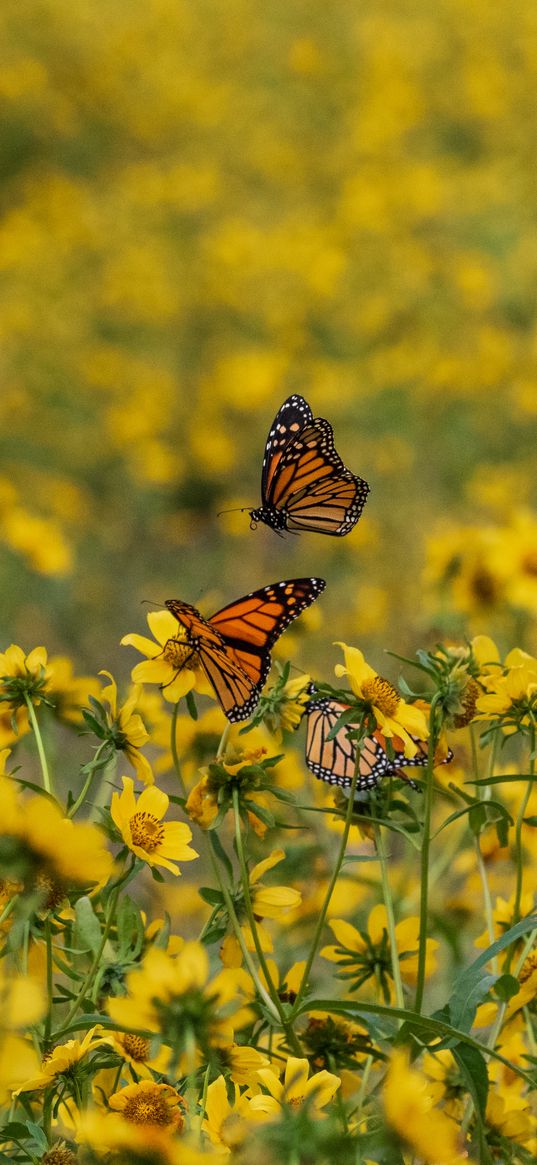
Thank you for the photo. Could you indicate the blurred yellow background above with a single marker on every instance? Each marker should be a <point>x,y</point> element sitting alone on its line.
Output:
<point>208,206</point>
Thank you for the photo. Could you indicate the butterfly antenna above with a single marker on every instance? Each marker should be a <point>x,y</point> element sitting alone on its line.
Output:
<point>151,602</point>
<point>235,510</point>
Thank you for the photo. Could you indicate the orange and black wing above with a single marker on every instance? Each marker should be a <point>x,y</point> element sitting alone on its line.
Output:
<point>250,626</point>
<point>305,485</point>
<point>333,760</point>
<point>233,646</point>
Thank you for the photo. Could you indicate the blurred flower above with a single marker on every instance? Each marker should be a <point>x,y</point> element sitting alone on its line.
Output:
<point>363,955</point>
<point>511,696</point>
<point>67,691</point>
<point>175,997</point>
<point>36,839</point>
<point>408,1106</point>
<point>64,1063</point>
<point>227,1124</point>
<point>143,831</point>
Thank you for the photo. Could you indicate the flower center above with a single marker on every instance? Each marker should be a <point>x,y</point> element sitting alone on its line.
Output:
<point>294,1101</point>
<point>146,831</point>
<point>136,1047</point>
<point>529,563</point>
<point>528,967</point>
<point>382,694</point>
<point>147,1109</point>
<point>177,653</point>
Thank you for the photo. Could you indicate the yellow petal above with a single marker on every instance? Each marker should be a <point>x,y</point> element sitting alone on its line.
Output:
<point>163,625</point>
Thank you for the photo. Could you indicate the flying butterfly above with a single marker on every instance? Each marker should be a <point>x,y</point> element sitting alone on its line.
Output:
<point>333,760</point>
<point>233,646</point>
<point>304,483</point>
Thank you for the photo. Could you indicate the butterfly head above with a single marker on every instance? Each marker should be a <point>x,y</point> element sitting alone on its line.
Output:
<point>276,519</point>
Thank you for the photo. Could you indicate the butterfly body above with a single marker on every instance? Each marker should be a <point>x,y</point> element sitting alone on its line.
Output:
<point>333,760</point>
<point>233,646</point>
<point>304,483</point>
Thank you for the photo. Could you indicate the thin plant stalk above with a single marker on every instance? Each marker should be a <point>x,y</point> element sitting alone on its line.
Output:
<point>86,786</point>
<point>518,833</point>
<point>425,854</point>
<point>333,879</point>
<point>390,918</point>
<point>47,782</point>
<point>483,794</point>
<point>173,745</point>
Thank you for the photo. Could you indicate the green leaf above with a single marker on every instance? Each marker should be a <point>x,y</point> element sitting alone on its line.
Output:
<point>221,853</point>
<point>213,897</point>
<point>472,985</point>
<point>259,810</point>
<point>191,705</point>
<point>530,820</point>
<point>87,928</point>
<point>504,779</point>
<point>474,1070</point>
<point>38,1137</point>
<point>506,987</point>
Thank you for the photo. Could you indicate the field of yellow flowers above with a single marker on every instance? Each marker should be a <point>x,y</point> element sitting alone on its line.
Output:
<point>208,954</point>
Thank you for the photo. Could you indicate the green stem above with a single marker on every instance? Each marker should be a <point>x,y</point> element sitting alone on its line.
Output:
<point>333,880</point>
<point>239,935</point>
<point>483,793</point>
<point>390,918</point>
<point>175,754</point>
<point>97,958</point>
<point>518,833</point>
<point>86,786</point>
<point>103,793</point>
<point>425,850</point>
<point>47,783</point>
<point>223,741</point>
<point>48,1017</point>
<point>248,902</point>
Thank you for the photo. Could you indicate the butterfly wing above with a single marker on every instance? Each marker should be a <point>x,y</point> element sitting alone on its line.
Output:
<point>234,645</point>
<point>333,760</point>
<point>305,485</point>
<point>294,414</point>
<point>250,626</point>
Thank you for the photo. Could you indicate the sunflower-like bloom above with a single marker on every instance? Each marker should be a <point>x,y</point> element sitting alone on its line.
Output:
<point>227,1123</point>
<point>409,1107</point>
<point>149,1103</point>
<point>67,691</point>
<point>295,1089</point>
<point>170,661</point>
<point>364,955</point>
<point>143,830</point>
<point>381,700</point>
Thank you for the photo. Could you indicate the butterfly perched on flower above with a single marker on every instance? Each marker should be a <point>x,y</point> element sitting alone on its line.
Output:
<point>333,760</point>
<point>304,483</point>
<point>233,646</point>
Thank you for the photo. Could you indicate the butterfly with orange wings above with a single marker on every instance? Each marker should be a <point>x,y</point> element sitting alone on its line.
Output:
<point>304,483</point>
<point>233,646</point>
<point>333,760</point>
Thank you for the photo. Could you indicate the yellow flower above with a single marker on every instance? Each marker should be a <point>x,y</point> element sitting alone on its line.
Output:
<point>127,1140</point>
<point>67,691</point>
<point>392,715</point>
<point>142,829</point>
<point>136,1051</point>
<point>226,1124</point>
<point>126,728</point>
<point>63,1061</point>
<point>243,1064</point>
<point>23,676</point>
<point>175,997</point>
<point>51,844</point>
<point>296,1089</point>
<point>366,955</point>
<point>408,1105</point>
<point>511,1116</point>
<point>149,1103</point>
<point>174,665</point>
<point>511,696</point>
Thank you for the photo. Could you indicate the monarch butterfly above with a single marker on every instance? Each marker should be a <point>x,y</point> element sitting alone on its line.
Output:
<point>304,483</point>
<point>333,760</point>
<point>233,646</point>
